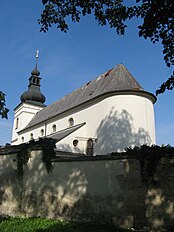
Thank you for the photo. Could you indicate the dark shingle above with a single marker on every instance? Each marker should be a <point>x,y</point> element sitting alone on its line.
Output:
<point>116,79</point>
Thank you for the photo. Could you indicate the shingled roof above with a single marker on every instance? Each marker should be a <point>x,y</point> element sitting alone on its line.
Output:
<point>117,79</point>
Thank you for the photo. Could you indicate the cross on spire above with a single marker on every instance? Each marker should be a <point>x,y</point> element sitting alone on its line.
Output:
<point>37,56</point>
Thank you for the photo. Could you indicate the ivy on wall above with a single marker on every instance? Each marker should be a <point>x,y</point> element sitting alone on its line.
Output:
<point>149,157</point>
<point>22,158</point>
<point>47,146</point>
<point>48,152</point>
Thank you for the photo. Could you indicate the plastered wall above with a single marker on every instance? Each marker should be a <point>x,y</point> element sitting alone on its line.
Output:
<point>100,190</point>
<point>116,121</point>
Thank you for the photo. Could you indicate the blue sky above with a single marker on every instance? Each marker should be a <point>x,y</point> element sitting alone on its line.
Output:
<point>67,61</point>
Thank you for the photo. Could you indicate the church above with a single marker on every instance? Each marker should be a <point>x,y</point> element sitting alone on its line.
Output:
<point>105,115</point>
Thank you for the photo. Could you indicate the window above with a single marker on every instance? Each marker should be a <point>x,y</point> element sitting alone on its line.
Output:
<point>71,121</point>
<point>54,128</point>
<point>17,123</point>
<point>75,142</point>
<point>42,132</point>
<point>90,147</point>
<point>31,136</point>
<point>22,139</point>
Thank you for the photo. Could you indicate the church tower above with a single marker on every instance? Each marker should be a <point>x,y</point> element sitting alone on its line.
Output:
<point>32,101</point>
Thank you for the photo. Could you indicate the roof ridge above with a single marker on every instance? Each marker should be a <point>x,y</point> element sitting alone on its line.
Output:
<point>117,79</point>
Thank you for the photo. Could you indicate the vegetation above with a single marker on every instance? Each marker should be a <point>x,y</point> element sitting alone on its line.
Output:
<point>46,225</point>
<point>3,109</point>
<point>149,158</point>
<point>47,146</point>
<point>157,21</point>
<point>157,24</point>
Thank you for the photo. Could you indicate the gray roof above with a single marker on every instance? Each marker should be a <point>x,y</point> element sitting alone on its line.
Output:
<point>64,133</point>
<point>117,79</point>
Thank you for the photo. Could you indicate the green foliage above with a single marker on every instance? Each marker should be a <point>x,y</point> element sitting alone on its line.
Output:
<point>157,20</point>
<point>32,225</point>
<point>47,146</point>
<point>46,225</point>
<point>22,158</point>
<point>3,109</point>
<point>169,85</point>
<point>48,152</point>
<point>149,158</point>
<point>56,12</point>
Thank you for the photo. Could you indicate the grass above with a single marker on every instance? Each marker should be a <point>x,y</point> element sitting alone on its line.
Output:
<point>10,224</point>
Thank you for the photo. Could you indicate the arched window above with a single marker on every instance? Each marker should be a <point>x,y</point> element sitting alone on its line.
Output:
<point>38,82</point>
<point>42,132</point>
<point>31,136</point>
<point>22,139</point>
<point>90,147</point>
<point>17,123</point>
<point>54,127</point>
<point>71,122</point>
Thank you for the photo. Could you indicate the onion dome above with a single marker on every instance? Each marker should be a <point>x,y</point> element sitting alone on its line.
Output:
<point>33,95</point>
<point>35,72</point>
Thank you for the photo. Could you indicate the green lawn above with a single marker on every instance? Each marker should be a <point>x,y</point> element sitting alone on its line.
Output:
<point>45,225</point>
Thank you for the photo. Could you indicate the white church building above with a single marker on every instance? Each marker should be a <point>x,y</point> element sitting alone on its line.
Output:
<point>105,115</point>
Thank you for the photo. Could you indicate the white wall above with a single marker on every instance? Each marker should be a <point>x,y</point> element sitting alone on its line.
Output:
<point>23,113</point>
<point>117,122</point>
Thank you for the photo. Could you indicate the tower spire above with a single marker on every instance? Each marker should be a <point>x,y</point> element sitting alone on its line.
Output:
<point>37,56</point>
<point>35,71</point>
<point>33,94</point>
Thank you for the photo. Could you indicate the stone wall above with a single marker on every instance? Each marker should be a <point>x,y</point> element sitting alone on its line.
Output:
<point>103,190</point>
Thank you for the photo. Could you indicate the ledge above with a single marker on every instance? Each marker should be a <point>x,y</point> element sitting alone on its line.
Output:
<point>92,158</point>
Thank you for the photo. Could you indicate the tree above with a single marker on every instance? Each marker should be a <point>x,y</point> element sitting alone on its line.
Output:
<point>157,16</point>
<point>3,109</point>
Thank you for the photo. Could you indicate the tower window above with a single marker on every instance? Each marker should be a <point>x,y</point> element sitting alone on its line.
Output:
<point>17,123</point>
<point>22,139</point>
<point>71,121</point>
<point>54,128</point>
<point>42,132</point>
